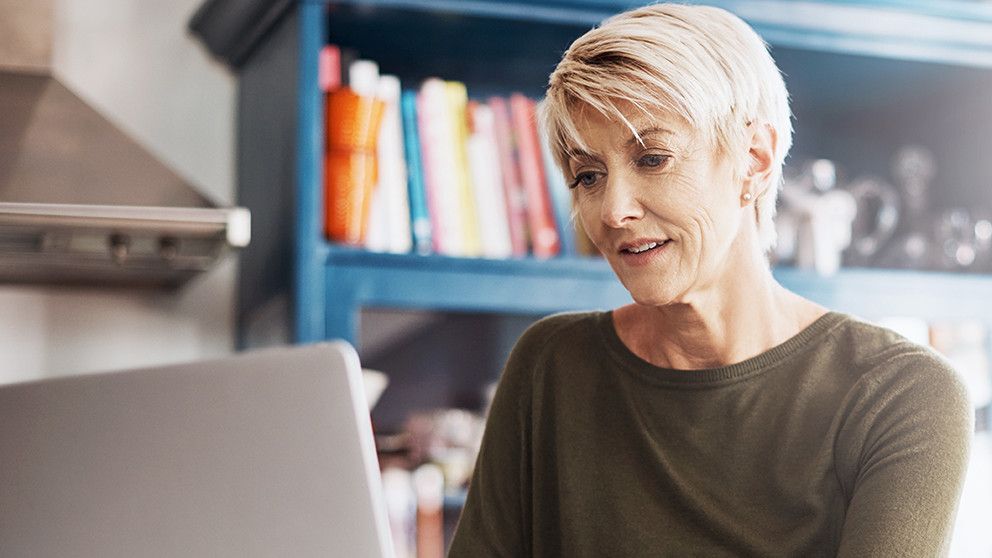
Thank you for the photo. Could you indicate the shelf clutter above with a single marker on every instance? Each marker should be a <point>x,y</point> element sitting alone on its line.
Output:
<point>826,220</point>
<point>426,469</point>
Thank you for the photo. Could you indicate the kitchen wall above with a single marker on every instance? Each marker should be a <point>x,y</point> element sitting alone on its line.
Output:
<point>134,62</point>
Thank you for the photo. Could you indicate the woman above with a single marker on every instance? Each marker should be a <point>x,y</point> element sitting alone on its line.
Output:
<point>719,414</point>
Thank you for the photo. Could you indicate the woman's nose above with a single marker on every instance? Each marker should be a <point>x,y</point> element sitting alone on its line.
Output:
<point>621,204</point>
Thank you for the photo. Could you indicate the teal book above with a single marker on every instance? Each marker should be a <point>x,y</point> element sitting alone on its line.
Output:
<point>420,220</point>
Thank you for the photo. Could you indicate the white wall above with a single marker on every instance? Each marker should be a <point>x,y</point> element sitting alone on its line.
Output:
<point>134,62</point>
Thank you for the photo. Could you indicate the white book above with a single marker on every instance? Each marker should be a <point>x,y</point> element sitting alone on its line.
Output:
<point>363,79</point>
<point>483,156</point>
<point>389,222</point>
<point>377,233</point>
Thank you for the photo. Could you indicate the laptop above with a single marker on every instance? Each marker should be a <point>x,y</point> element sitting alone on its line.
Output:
<point>268,453</point>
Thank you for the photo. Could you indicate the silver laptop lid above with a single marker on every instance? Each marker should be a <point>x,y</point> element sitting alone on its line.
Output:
<point>264,454</point>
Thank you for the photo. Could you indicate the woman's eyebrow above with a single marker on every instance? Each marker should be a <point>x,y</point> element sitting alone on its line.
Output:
<point>578,154</point>
<point>645,133</point>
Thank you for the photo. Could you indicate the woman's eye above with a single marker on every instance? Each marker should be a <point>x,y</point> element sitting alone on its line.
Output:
<point>585,179</point>
<point>652,161</point>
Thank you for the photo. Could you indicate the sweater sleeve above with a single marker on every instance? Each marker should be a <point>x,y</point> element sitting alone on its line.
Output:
<point>495,521</point>
<point>902,457</point>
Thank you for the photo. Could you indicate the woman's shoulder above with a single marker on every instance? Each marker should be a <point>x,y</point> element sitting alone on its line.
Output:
<point>870,344</point>
<point>543,343</point>
<point>904,397</point>
<point>560,329</point>
<point>887,364</point>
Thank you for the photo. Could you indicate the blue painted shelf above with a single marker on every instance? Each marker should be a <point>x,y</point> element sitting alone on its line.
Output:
<point>356,279</point>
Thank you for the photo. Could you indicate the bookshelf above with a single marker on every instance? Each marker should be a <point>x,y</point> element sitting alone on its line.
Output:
<point>864,77</point>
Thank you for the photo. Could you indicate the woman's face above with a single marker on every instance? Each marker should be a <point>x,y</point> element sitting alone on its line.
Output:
<point>665,213</point>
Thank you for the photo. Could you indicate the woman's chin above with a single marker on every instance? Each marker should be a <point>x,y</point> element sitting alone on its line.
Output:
<point>650,287</point>
<point>651,295</point>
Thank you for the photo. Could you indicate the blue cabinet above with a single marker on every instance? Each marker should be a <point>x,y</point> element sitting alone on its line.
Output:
<point>865,77</point>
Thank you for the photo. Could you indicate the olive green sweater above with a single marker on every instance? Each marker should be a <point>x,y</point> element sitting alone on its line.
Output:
<point>845,440</point>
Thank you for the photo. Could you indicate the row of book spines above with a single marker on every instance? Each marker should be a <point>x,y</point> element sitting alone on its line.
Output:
<point>484,182</point>
<point>457,208</point>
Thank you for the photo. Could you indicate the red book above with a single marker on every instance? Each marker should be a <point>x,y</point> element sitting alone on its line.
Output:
<point>541,220</point>
<point>513,189</point>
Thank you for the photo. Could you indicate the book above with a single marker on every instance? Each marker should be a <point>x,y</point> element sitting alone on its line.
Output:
<point>376,237</point>
<point>329,68</point>
<point>494,229</point>
<point>543,234</point>
<point>420,220</point>
<point>440,175</point>
<point>363,77</point>
<point>468,215</point>
<point>516,211</point>
<point>389,220</point>
<point>561,198</point>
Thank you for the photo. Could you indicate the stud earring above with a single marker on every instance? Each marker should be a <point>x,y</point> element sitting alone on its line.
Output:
<point>748,196</point>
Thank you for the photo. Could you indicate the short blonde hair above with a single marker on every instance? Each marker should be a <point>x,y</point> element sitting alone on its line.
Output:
<point>700,63</point>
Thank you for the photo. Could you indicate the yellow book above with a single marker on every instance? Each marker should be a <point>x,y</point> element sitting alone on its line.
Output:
<point>457,103</point>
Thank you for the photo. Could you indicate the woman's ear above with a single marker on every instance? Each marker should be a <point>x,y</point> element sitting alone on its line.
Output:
<point>761,157</point>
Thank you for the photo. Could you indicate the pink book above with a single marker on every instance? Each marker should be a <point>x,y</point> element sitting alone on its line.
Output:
<point>512,186</point>
<point>329,68</point>
<point>544,235</point>
<point>431,102</point>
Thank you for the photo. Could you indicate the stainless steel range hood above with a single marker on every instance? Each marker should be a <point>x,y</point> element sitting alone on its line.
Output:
<point>104,244</point>
<point>80,201</point>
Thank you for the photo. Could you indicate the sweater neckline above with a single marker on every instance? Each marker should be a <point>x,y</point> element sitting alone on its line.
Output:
<point>732,372</point>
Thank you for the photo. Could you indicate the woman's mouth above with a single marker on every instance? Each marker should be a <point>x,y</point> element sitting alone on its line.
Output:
<point>643,252</point>
<point>642,248</point>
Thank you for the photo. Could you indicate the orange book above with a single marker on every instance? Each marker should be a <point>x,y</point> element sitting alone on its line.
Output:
<point>543,233</point>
